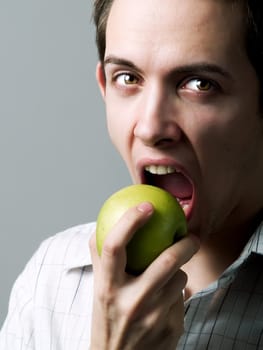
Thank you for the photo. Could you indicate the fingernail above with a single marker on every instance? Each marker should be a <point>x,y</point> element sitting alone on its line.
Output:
<point>146,208</point>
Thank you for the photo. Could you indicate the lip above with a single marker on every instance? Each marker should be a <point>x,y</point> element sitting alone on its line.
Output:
<point>179,168</point>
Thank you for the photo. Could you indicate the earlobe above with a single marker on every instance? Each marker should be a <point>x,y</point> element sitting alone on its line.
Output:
<point>100,75</point>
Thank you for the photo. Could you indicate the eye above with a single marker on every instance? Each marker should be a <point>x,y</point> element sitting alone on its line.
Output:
<point>199,84</point>
<point>125,79</point>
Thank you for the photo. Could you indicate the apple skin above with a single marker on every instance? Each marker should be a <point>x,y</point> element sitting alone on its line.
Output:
<point>166,226</point>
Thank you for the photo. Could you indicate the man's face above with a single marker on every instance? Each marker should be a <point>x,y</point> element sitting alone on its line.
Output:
<point>182,100</point>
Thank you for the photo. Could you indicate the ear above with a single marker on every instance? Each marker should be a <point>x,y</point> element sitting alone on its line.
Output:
<point>101,80</point>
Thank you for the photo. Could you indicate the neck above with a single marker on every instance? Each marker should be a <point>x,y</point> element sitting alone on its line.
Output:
<point>217,253</point>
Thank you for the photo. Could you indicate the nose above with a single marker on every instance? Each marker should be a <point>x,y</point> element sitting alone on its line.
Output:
<point>156,123</point>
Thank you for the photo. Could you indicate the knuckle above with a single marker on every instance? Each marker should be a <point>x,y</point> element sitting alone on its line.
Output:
<point>129,309</point>
<point>134,218</point>
<point>110,248</point>
<point>152,318</point>
<point>106,294</point>
<point>126,312</point>
<point>170,259</point>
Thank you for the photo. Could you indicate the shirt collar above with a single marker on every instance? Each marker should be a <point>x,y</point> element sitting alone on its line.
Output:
<point>78,253</point>
<point>255,244</point>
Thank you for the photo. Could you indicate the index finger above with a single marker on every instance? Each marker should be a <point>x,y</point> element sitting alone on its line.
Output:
<point>113,255</point>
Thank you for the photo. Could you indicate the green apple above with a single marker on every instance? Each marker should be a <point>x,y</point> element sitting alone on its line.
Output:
<point>166,226</point>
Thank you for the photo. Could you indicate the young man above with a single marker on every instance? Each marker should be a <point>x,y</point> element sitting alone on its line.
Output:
<point>181,82</point>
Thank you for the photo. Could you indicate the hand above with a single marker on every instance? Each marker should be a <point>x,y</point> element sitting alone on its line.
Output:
<point>140,312</point>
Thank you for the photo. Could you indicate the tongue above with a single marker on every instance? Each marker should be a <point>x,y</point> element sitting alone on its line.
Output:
<point>177,184</point>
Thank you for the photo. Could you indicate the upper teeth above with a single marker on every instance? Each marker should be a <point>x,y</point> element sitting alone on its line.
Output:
<point>160,169</point>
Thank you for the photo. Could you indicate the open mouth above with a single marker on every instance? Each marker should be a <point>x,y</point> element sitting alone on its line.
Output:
<point>172,180</point>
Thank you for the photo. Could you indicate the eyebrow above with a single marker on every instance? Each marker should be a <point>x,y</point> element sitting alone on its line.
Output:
<point>196,68</point>
<point>120,62</point>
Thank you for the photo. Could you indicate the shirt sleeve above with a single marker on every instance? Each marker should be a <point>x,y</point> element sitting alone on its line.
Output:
<point>50,295</point>
<point>18,329</point>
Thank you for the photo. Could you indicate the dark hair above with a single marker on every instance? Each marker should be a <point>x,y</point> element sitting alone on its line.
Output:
<point>253,22</point>
<point>254,35</point>
<point>101,10</point>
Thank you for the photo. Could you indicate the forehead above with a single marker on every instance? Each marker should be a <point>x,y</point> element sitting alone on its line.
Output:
<point>169,23</point>
<point>127,9</point>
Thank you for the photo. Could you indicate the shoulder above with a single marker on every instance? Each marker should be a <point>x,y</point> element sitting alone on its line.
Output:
<point>68,248</point>
<point>48,288</point>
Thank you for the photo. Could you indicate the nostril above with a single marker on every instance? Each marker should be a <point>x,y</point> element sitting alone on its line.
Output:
<point>165,142</point>
<point>158,132</point>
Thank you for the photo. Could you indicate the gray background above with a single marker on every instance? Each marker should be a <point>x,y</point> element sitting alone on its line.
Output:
<point>57,163</point>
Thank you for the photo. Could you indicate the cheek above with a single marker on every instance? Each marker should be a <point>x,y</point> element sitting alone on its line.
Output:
<point>227,133</point>
<point>227,151</point>
<point>225,140</point>
<point>119,128</point>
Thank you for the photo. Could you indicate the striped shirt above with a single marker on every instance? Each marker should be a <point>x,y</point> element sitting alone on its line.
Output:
<point>51,301</point>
